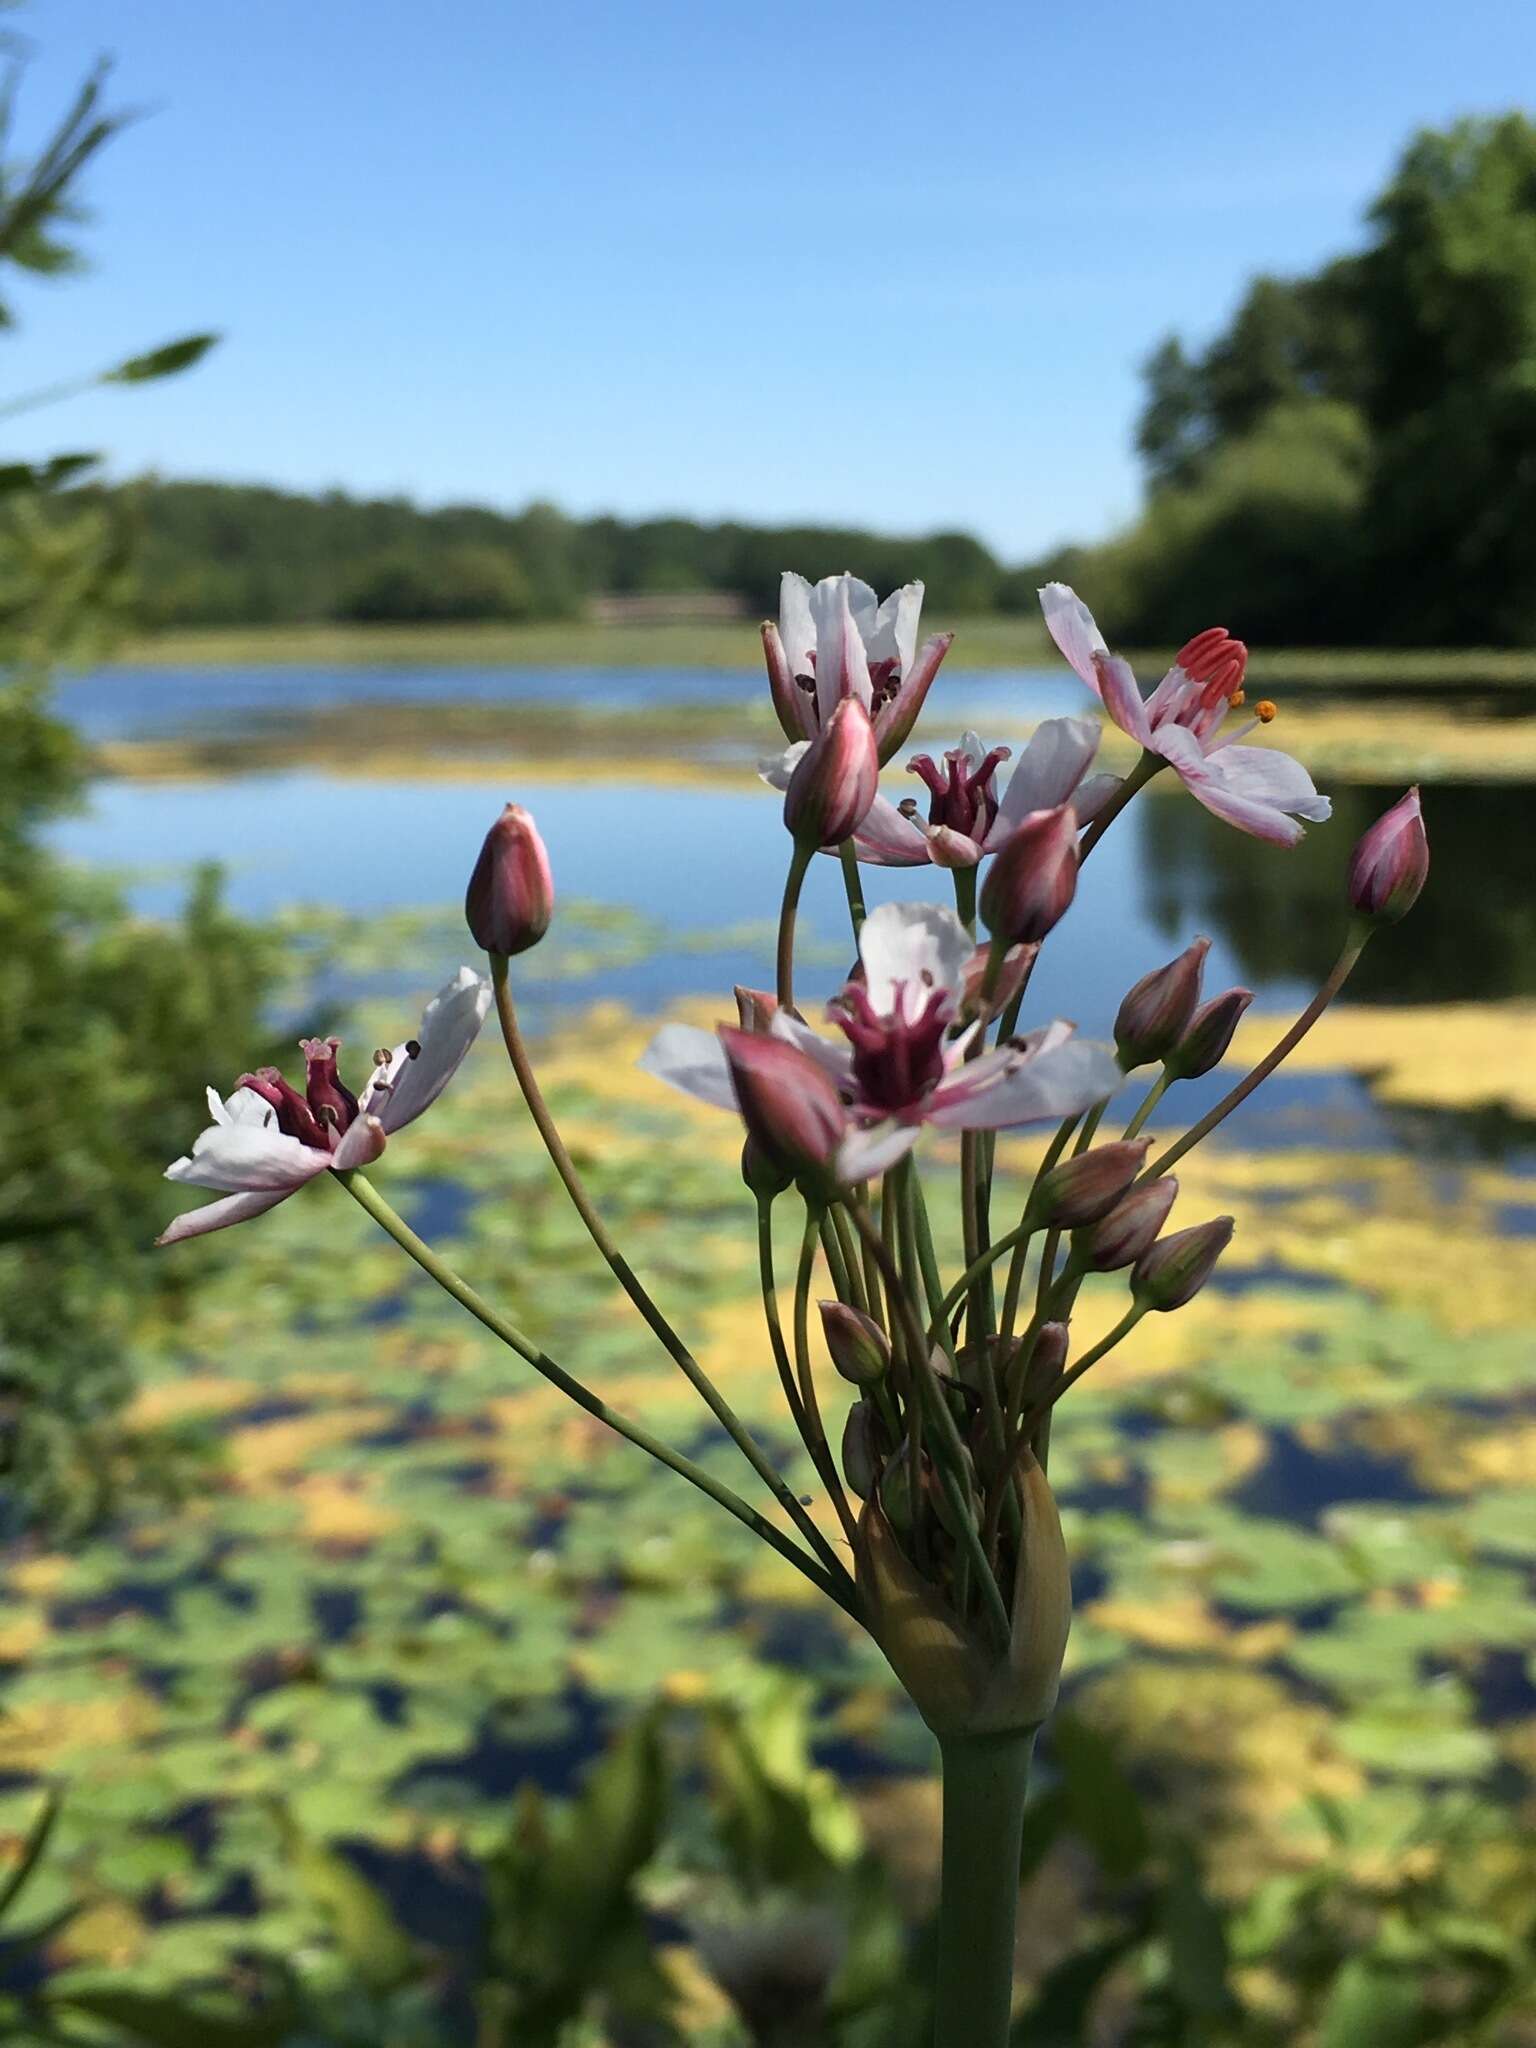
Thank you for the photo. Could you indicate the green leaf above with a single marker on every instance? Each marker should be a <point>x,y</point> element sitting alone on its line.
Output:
<point>32,1848</point>
<point>1372,2005</point>
<point>366,1931</point>
<point>165,361</point>
<point>167,2023</point>
<point>1104,1805</point>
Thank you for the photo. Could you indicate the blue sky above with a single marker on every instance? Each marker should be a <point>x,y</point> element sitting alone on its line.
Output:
<point>872,262</point>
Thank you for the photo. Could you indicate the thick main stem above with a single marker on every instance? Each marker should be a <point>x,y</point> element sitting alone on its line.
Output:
<point>986,1781</point>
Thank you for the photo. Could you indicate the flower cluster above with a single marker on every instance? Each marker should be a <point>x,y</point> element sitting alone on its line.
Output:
<point>950,1551</point>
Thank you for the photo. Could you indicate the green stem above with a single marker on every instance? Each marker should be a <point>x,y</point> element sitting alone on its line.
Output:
<point>367,1196</point>
<point>986,1782</point>
<point>816,1435</point>
<point>623,1272</point>
<point>1149,1102</point>
<point>799,861</point>
<point>1139,777</point>
<point>964,880</point>
<point>1343,967</point>
<point>1123,1328</point>
<point>1020,1259</point>
<point>853,885</point>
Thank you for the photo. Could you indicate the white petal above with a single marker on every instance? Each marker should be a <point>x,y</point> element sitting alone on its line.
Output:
<point>889,839</point>
<point>1092,795</point>
<point>841,667</point>
<point>863,1154</point>
<point>776,769</point>
<point>219,1215</point>
<point>1269,776</point>
<point>921,945</point>
<point>1071,625</point>
<point>245,1106</point>
<point>1258,800</point>
<point>450,1024</point>
<point>692,1060</point>
<point>1061,1081</point>
<point>243,1158</point>
<point>1122,699</point>
<point>797,629</point>
<point>1049,771</point>
<point>361,1144</point>
<point>894,631</point>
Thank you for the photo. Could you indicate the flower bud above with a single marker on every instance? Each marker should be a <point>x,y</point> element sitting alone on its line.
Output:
<point>1389,866</point>
<point>763,1176</point>
<point>1156,1012</point>
<point>860,1349</point>
<point>835,780</point>
<point>1032,877</point>
<point>755,1008</point>
<point>1204,1044</point>
<point>1130,1228</point>
<point>788,1103</point>
<point>1044,1367</point>
<point>1081,1190</point>
<point>511,894</point>
<point>1177,1267</point>
<point>860,1466</point>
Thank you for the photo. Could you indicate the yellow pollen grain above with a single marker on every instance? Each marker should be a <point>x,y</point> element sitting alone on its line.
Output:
<point>1265,710</point>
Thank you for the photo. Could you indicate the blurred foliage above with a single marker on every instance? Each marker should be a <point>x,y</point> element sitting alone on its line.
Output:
<point>1289,458</point>
<point>102,1016</point>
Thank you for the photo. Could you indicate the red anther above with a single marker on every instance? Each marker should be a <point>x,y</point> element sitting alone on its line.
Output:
<point>1196,656</point>
<point>1226,678</point>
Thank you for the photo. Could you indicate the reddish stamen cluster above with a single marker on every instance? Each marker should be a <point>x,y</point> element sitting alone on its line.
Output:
<point>896,1059</point>
<point>964,798</point>
<point>1216,660</point>
<point>326,1108</point>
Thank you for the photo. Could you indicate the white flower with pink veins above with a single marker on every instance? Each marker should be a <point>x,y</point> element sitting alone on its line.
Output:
<point>267,1140</point>
<point>902,1064</point>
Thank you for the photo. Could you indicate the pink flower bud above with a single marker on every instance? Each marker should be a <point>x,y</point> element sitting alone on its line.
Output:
<point>511,894</point>
<point>1389,866</point>
<point>787,1102</point>
<point>1130,1228</point>
<point>861,1466</point>
<point>835,780</point>
<point>763,1176</point>
<point>1204,1044</point>
<point>1045,1364</point>
<point>1177,1267</point>
<point>1156,1012</point>
<point>1081,1190</point>
<point>860,1349</point>
<point>1032,877</point>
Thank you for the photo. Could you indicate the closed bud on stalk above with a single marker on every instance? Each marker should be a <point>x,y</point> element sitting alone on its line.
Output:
<point>1391,863</point>
<point>1129,1229</point>
<point>788,1103</point>
<point>1045,1364</point>
<point>1081,1190</point>
<point>835,780</point>
<point>1156,1012</point>
<point>511,894</point>
<point>754,1008</point>
<point>960,1682</point>
<point>860,1467</point>
<point>1204,1044</point>
<point>1177,1267</point>
<point>1032,878</point>
<point>763,1176</point>
<point>860,1349</point>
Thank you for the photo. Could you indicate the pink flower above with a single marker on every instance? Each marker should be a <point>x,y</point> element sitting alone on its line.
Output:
<point>837,640</point>
<point>511,894</point>
<point>967,818</point>
<point>1257,789</point>
<point>903,1064</point>
<point>267,1140</point>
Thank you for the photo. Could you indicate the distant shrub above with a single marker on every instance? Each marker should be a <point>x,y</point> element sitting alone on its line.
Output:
<point>454,584</point>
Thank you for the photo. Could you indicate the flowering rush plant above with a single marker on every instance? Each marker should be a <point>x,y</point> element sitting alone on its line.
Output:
<point>940,1534</point>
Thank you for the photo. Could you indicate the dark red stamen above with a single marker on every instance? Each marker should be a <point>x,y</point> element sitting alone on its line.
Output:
<point>963,798</point>
<point>1196,657</point>
<point>327,1094</point>
<point>895,1060</point>
<point>295,1118</point>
